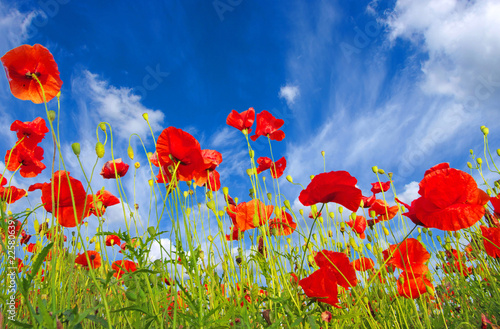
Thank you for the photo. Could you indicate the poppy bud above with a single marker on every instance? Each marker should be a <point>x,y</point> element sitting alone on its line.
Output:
<point>99,150</point>
<point>341,210</point>
<point>151,182</point>
<point>479,161</point>
<point>419,238</point>
<point>269,197</point>
<point>323,154</point>
<point>290,179</point>
<point>287,204</point>
<point>320,218</point>
<point>332,215</point>
<point>457,235</point>
<point>236,200</point>
<point>97,246</point>
<point>251,153</point>
<point>301,211</point>
<point>225,190</point>
<point>369,246</point>
<point>485,130</point>
<point>489,192</point>
<point>76,148</point>
<point>102,125</point>
<point>419,230</point>
<point>151,230</point>
<point>439,239</point>
<point>498,152</point>
<point>365,300</point>
<point>250,172</point>
<point>310,259</point>
<point>430,290</point>
<point>211,205</point>
<point>390,175</point>
<point>185,194</point>
<point>52,115</point>
<point>373,213</point>
<point>353,216</point>
<point>130,152</point>
<point>210,238</point>
<point>312,176</point>
<point>381,171</point>
<point>315,237</point>
<point>330,233</point>
<point>353,243</point>
<point>145,116</point>
<point>386,231</point>
<point>221,213</point>
<point>375,169</point>
<point>342,227</point>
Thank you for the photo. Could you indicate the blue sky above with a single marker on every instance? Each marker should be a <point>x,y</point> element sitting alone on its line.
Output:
<point>402,84</point>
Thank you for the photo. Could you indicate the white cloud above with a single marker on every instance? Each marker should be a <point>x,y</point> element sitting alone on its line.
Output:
<point>410,192</point>
<point>289,93</point>
<point>116,105</point>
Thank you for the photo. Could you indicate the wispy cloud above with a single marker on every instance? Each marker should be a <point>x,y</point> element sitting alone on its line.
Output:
<point>289,93</point>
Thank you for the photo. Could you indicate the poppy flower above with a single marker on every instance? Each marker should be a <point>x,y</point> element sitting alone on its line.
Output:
<point>11,194</point>
<point>450,199</point>
<point>20,264</point>
<point>363,264</point>
<point>64,185</point>
<point>31,133</point>
<point>112,240</point>
<point>340,265</point>
<point>3,180</point>
<point>282,225</point>
<point>383,211</point>
<point>24,62</point>
<point>28,161</point>
<point>268,125</point>
<point>315,215</point>
<point>31,248</point>
<point>410,255</point>
<point>123,266</point>
<point>277,168</point>
<point>103,199</point>
<point>491,240</point>
<point>213,182</point>
<point>114,169</point>
<point>411,212</point>
<point>495,201</point>
<point>321,284</point>
<point>358,225</point>
<point>25,238</point>
<point>208,176</point>
<point>457,267</point>
<point>334,186</point>
<point>242,121</point>
<point>94,257</point>
<point>368,201</point>
<point>412,286</point>
<point>379,187</point>
<point>248,215</point>
<point>178,149</point>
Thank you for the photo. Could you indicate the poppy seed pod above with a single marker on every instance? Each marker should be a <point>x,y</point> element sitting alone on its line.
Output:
<point>99,150</point>
<point>52,115</point>
<point>76,148</point>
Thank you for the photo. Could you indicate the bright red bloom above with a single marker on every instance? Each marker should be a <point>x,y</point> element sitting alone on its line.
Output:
<point>114,169</point>
<point>31,133</point>
<point>495,201</point>
<point>368,201</point>
<point>94,257</point>
<point>358,225</point>
<point>248,215</point>
<point>31,248</point>
<point>112,240</point>
<point>208,176</point>
<point>11,194</point>
<point>379,187</point>
<point>123,266</point>
<point>450,199</point>
<point>268,125</point>
<point>103,200</point>
<point>282,225</point>
<point>363,264</point>
<point>491,240</point>
<point>411,285</point>
<point>22,63</point>
<point>242,121</point>
<point>65,208</point>
<point>28,161</point>
<point>411,212</point>
<point>383,211</point>
<point>334,186</point>
<point>277,168</point>
<point>3,180</point>
<point>177,148</point>
<point>409,256</point>
<point>20,264</point>
<point>340,265</point>
<point>322,284</point>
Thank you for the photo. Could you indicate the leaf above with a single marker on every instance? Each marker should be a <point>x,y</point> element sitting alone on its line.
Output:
<point>99,320</point>
<point>131,308</point>
<point>39,261</point>
<point>20,324</point>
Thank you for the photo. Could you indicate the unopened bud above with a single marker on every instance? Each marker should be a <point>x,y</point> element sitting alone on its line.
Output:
<point>225,190</point>
<point>381,171</point>
<point>76,148</point>
<point>151,230</point>
<point>386,231</point>
<point>341,210</point>
<point>479,161</point>
<point>99,150</point>
<point>485,130</point>
<point>332,215</point>
<point>375,169</point>
<point>52,115</point>
<point>210,238</point>
<point>251,153</point>
<point>290,179</point>
<point>301,212</point>
<point>211,205</point>
<point>323,154</point>
<point>130,152</point>
<point>145,116</point>
<point>269,197</point>
<point>137,165</point>
<point>287,204</point>
<point>102,125</point>
<point>311,177</point>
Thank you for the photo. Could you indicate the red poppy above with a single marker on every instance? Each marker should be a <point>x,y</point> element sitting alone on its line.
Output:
<point>316,215</point>
<point>114,169</point>
<point>24,62</point>
<point>491,240</point>
<point>123,266</point>
<point>64,186</point>
<point>177,148</point>
<point>25,238</point>
<point>383,211</point>
<point>3,180</point>
<point>28,161</point>
<point>268,125</point>
<point>368,201</point>
<point>277,168</point>
<point>20,264</point>
<point>412,285</point>
<point>358,225</point>
<point>411,212</point>
<point>15,226</point>
<point>112,240</point>
<point>334,186</point>
<point>495,201</point>
<point>457,267</point>
<point>321,284</point>
<point>31,248</point>
<point>11,194</point>
<point>363,264</point>
<point>340,265</point>
<point>408,256</point>
<point>208,176</point>
<point>282,225</point>
<point>31,133</point>
<point>379,187</point>
<point>450,199</point>
<point>242,121</point>
<point>94,257</point>
<point>248,215</point>
<point>103,199</point>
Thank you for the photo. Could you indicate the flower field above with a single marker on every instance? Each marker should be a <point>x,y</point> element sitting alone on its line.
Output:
<point>353,261</point>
